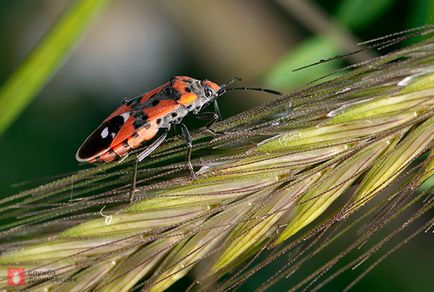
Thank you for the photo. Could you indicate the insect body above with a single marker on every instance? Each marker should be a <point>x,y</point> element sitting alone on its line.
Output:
<point>139,119</point>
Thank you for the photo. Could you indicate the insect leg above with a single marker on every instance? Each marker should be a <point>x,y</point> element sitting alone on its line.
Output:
<point>153,146</point>
<point>217,110</point>
<point>187,138</point>
<point>134,181</point>
<point>123,158</point>
<point>211,117</point>
<point>174,130</point>
<point>142,156</point>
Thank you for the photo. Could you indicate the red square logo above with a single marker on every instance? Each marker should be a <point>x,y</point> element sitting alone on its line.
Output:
<point>16,276</point>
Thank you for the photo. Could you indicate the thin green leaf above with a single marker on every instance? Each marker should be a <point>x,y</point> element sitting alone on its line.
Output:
<point>34,73</point>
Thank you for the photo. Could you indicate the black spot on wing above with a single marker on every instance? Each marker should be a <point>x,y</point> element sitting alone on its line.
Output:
<point>170,93</point>
<point>140,119</point>
<point>149,103</point>
<point>101,138</point>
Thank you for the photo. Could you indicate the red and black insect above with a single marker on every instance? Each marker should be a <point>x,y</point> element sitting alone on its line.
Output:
<point>142,118</point>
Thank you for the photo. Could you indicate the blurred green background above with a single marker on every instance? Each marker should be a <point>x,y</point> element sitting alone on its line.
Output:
<point>134,46</point>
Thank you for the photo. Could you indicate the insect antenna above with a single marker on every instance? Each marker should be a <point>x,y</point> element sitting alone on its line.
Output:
<point>270,91</point>
<point>224,88</point>
<point>235,79</point>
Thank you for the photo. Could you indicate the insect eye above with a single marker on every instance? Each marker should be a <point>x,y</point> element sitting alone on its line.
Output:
<point>208,91</point>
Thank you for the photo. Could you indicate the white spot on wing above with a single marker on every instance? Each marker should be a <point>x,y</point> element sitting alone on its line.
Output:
<point>125,116</point>
<point>104,133</point>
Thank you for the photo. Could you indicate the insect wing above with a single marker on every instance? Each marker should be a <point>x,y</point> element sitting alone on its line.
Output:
<point>102,138</point>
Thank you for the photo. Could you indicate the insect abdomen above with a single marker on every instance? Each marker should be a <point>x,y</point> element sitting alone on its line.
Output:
<point>132,142</point>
